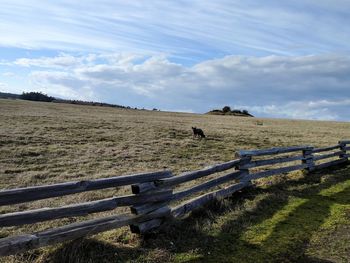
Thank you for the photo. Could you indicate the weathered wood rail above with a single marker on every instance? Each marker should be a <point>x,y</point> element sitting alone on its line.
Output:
<point>153,196</point>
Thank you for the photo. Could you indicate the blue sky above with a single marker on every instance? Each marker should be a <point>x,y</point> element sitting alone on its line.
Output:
<point>286,59</point>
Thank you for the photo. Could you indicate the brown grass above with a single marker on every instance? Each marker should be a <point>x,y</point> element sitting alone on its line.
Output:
<point>43,143</point>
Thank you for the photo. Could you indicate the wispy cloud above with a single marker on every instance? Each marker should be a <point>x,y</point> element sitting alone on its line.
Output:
<point>312,87</point>
<point>8,74</point>
<point>60,61</point>
<point>316,110</point>
<point>180,28</point>
<point>280,58</point>
<point>3,86</point>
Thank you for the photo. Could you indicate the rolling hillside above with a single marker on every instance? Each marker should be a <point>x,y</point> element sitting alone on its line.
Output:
<point>288,218</point>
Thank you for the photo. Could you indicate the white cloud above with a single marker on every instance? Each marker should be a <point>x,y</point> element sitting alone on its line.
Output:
<point>314,110</point>
<point>9,74</point>
<point>62,60</point>
<point>61,85</point>
<point>3,86</point>
<point>311,87</point>
<point>133,53</point>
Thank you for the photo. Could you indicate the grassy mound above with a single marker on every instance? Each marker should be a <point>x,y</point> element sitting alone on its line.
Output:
<point>230,113</point>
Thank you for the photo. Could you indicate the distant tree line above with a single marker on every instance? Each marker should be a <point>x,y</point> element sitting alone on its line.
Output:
<point>36,96</point>
<point>39,96</point>
<point>6,95</point>
<point>90,103</point>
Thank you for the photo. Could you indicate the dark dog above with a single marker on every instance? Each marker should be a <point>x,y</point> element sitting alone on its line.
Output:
<point>198,132</point>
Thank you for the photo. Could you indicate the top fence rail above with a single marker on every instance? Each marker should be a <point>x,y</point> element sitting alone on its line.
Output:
<point>21,195</point>
<point>272,151</point>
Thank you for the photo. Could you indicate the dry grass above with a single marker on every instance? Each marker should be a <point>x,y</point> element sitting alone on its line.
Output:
<point>43,143</point>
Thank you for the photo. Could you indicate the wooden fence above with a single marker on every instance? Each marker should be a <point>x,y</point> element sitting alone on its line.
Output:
<point>153,194</point>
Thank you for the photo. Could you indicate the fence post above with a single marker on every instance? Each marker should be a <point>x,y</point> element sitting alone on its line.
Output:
<point>308,158</point>
<point>244,170</point>
<point>343,147</point>
<point>143,209</point>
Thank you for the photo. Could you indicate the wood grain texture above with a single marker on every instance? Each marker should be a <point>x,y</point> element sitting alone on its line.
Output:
<point>146,226</point>
<point>189,176</point>
<point>329,164</point>
<point>143,187</point>
<point>324,149</point>
<point>206,185</point>
<point>21,195</point>
<point>275,171</point>
<point>22,243</point>
<point>198,202</point>
<point>325,156</point>
<point>146,208</point>
<point>81,209</point>
<point>258,163</point>
<point>272,151</point>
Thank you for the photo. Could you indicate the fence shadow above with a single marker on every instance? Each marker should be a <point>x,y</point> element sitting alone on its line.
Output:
<point>91,251</point>
<point>288,213</point>
<point>283,233</point>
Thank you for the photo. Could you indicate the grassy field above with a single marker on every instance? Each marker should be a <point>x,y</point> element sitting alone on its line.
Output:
<point>290,218</point>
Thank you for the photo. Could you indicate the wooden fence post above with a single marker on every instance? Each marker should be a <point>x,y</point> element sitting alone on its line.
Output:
<point>343,147</point>
<point>244,170</point>
<point>147,208</point>
<point>245,159</point>
<point>308,158</point>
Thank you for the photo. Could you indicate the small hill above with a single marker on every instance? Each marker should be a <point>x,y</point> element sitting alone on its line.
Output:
<point>227,111</point>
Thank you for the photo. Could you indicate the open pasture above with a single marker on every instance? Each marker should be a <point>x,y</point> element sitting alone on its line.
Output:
<point>43,143</point>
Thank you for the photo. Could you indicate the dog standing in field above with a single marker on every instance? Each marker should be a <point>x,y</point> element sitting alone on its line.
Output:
<point>198,133</point>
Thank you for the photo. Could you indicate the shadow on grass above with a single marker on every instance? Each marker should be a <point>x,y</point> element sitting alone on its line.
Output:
<point>272,224</point>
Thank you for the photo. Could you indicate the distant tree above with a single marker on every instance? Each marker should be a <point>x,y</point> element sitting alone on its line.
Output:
<point>245,112</point>
<point>226,109</point>
<point>9,95</point>
<point>36,96</point>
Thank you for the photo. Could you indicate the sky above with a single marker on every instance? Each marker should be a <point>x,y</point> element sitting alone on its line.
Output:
<point>280,59</point>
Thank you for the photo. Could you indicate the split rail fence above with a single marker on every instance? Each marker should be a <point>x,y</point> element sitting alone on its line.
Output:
<point>153,194</point>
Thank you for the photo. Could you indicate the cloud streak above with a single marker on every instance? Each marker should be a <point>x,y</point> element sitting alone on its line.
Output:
<point>195,29</point>
<point>61,61</point>
<point>311,87</point>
